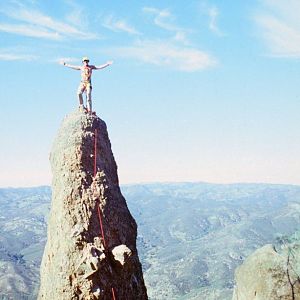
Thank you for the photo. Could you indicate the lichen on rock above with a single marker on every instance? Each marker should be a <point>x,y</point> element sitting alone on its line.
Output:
<point>78,262</point>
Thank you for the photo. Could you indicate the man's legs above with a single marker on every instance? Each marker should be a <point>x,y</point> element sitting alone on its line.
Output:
<point>80,90</point>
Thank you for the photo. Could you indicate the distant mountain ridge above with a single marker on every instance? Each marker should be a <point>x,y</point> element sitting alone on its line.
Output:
<point>191,236</point>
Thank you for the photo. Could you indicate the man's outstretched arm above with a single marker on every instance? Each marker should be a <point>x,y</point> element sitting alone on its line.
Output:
<point>103,66</point>
<point>70,66</point>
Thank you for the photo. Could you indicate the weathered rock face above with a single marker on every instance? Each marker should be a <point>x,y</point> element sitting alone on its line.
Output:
<point>269,275</point>
<point>78,263</point>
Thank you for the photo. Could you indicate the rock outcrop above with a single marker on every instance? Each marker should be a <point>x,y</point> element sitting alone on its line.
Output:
<point>269,274</point>
<point>83,260</point>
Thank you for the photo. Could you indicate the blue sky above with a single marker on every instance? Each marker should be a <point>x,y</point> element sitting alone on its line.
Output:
<point>199,90</point>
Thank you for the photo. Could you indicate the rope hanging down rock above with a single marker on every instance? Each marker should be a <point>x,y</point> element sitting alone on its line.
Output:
<point>98,205</point>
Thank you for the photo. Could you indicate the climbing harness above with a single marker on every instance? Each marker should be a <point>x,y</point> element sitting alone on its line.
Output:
<point>98,204</point>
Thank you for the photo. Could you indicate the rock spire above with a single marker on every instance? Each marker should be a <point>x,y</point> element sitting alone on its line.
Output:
<point>91,248</point>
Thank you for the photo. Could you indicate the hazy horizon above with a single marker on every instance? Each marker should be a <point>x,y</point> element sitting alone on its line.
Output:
<point>165,183</point>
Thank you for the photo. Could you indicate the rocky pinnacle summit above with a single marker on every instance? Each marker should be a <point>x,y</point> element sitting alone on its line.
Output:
<point>84,259</point>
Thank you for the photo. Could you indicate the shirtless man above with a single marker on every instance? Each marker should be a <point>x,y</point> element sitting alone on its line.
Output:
<point>86,84</point>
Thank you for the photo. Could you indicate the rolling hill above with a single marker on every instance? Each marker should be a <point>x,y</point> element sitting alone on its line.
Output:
<point>191,236</point>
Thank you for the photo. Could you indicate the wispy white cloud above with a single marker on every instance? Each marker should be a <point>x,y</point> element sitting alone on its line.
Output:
<point>213,13</point>
<point>14,56</point>
<point>29,30</point>
<point>281,38</point>
<point>279,26</point>
<point>181,37</point>
<point>119,25</point>
<point>165,54</point>
<point>67,60</point>
<point>78,15</point>
<point>164,19</point>
<point>34,23</point>
<point>175,52</point>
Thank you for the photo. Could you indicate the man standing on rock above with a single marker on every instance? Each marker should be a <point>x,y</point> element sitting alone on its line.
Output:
<point>86,84</point>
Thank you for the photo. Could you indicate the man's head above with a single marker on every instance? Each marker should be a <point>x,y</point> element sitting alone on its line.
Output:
<point>85,60</point>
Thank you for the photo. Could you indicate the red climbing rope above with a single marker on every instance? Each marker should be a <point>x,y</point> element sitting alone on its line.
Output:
<point>113,293</point>
<point>98,206</point>
<point>101,226</point>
